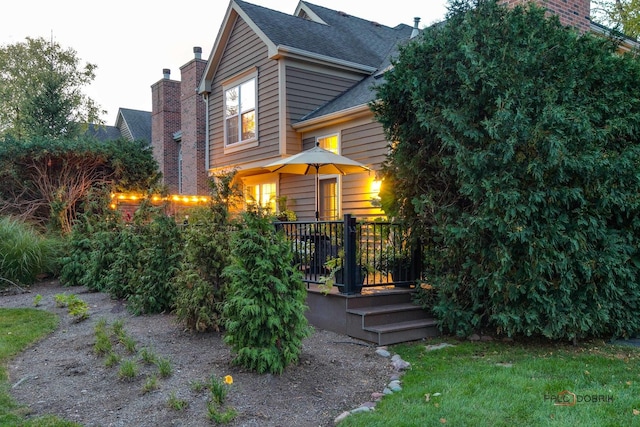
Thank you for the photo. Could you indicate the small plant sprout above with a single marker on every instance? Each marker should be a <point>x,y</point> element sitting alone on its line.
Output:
<point>76,307</point>
<point>150,384</point>
<point>79,310</point>
<point>103,344</point>
<point>175,403</point>
<point>60,300</point>
<point>100,326</point>
<point>148,356</point>
<point>118,328</point>
<point>164,367</point>
<point>128,370</point>
<point>219,388</point>
<point>112,360</point>
<point>220,417</point>
<point>197,386</point>
<point>128,343</point>
<point>36,300</point>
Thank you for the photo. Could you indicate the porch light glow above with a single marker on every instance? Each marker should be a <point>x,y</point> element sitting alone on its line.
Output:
<point>375,186</point>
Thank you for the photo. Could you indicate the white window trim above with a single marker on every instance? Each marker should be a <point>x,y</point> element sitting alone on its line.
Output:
<point>233,82</point>
<point>338,178</point>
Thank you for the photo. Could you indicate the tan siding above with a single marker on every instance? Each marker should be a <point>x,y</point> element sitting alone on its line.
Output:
<point>300,192</point>
<point>243,51</point>
<point>308,90</point>
<point>366,144</point>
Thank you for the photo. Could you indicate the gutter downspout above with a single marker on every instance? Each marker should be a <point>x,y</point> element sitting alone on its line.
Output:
<point>207,164</point>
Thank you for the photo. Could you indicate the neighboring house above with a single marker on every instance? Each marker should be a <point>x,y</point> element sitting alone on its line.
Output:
<point>276,84</point>
<point>133,125</point>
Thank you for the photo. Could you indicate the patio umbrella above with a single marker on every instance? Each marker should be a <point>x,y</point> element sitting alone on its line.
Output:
<point>317,161</point>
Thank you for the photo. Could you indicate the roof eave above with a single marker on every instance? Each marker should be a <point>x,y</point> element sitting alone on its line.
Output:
<point>331,119</point>
<point>295,53</point>
<point>626,43</point>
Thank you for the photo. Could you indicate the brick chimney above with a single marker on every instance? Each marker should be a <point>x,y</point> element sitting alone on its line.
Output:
<point>192,110</point>
<point>415,30</point>
<point>165,121</point>
<point>574,13</point>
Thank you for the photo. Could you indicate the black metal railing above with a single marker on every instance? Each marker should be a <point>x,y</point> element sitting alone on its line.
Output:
<point>361,253</point>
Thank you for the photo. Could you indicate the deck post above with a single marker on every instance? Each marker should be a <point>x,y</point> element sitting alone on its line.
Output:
<point>416,260</point>
<point>349,255</point>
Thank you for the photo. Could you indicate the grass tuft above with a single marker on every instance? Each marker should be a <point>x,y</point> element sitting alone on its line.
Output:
<point>164,367</point>
<point>25,252</point>
<point>128,370</point>
<point>176,403</point>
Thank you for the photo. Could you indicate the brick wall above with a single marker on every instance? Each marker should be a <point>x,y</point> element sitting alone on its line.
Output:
<point>571,12</point>
<point>194,172</point>
<point>165,121</point>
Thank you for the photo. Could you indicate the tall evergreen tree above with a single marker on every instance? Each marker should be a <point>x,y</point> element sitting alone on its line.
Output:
<point>265,303</point>
<point>41,90</point>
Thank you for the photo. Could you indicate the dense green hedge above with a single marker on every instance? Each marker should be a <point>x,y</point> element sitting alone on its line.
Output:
<point>517,157</point>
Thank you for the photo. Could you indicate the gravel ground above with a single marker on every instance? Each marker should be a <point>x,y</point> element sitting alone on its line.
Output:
<point>62,375</point>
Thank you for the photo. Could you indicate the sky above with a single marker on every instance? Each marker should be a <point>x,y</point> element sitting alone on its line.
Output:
<point>131,42</point>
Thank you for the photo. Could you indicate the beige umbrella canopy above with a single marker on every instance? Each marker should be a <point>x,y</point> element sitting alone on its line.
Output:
<point>317,161</point>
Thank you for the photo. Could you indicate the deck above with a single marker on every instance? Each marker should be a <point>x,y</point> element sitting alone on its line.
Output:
<point>381,315</point>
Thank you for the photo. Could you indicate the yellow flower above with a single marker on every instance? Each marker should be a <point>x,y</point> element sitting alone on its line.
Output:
<point>228,379</point>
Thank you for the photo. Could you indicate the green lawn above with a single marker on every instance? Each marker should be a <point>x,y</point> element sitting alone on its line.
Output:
<point>512,384</point>
<point>19,328</point>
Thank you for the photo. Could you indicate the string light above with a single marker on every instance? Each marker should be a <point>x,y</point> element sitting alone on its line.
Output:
<point>176,198</point>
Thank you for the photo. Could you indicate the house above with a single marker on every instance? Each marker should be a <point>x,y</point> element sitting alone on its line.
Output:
<point>132,125</point>
<point>275,84</point>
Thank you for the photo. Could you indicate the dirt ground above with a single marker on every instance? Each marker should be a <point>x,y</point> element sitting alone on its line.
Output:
<point>62,375</point>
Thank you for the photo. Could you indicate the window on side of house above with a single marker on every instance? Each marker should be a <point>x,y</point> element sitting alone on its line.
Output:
<point>329,143</point>
<point>262,194</point>
<point>240,112</point>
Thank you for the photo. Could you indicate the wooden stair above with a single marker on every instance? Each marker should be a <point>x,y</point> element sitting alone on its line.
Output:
<point>388,318</point>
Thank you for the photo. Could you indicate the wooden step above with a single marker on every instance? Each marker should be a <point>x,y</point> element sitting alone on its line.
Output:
<point>394,333</point>
<point>380,298</point>
<point>382,309</point>
<point>390,313</point>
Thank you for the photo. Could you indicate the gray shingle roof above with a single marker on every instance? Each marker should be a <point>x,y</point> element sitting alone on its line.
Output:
<point>103,133</point>
<point>130,124</point>
<point>345,37</point>
<point>138,122</point>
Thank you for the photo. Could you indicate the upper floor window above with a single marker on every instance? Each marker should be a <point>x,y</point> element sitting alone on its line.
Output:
<point>240,112</point>
<point>329,143</point>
